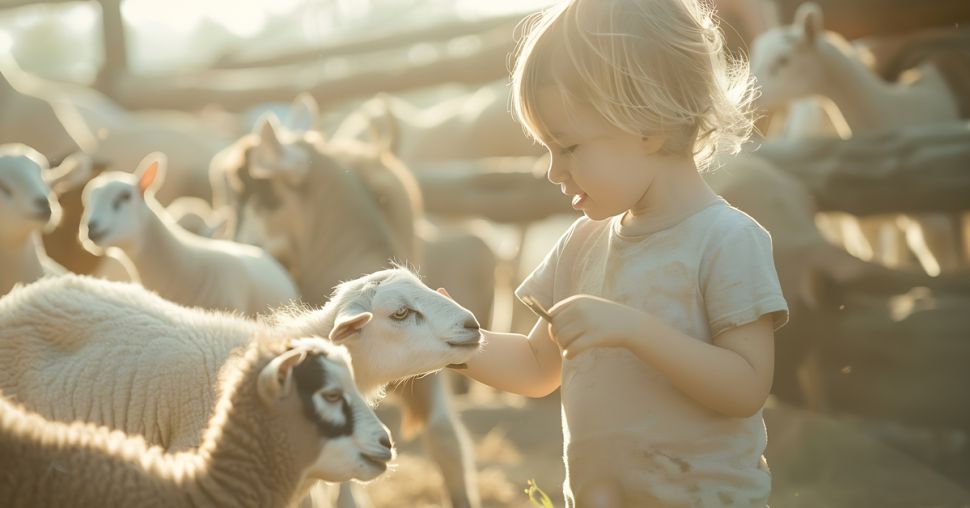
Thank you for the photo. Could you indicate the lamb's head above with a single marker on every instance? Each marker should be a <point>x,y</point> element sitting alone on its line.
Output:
<point>28,201</point>
<point>396,327</point>
<point>786,60</point>
<point>310,392</point>
<point>118,204</point>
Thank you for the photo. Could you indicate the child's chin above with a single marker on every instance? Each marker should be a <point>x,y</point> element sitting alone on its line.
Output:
<point>594,215</point>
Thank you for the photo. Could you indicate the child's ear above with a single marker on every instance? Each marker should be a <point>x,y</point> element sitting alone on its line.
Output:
<point>653,143</point>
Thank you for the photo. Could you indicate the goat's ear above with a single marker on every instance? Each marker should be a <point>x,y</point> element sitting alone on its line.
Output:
<point>809,18</point>
<point>304,114</point>
<point>267,130</point>
<point>151,172</point>
<point>383,129</point>
<point>222,223</point>
<point>276,379</point>
<point>72,172</point>
<point>270,157</point>
<point>349,323</point>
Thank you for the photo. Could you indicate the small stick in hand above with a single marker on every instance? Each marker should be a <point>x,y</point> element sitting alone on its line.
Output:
<point>536,307</point>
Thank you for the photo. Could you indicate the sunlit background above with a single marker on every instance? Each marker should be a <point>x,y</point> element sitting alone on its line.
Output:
<point>869,404</point>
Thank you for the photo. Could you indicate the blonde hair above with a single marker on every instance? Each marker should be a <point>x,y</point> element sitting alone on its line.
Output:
<point>646,66</point>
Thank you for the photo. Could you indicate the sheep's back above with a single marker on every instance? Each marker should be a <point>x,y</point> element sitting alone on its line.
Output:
<point>114,354</point>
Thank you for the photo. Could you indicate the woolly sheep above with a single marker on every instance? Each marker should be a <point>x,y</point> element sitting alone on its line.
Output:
<point>289,412</point>
<point>120,211</point>
<point>298,196</point>
<point>28,205</point>
<point>114,354</point>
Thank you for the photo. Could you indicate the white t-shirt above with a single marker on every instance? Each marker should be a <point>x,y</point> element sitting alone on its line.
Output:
<point>623,421</point>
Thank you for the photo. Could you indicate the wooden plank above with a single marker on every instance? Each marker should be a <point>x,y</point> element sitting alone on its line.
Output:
<point>911,170</point>
<point>438,32</point>
<point>237,90</point>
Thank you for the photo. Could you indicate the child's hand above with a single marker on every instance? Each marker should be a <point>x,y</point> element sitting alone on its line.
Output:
<point>583,321</point>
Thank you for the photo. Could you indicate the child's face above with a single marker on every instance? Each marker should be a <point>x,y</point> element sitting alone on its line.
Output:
<point>604,170</point>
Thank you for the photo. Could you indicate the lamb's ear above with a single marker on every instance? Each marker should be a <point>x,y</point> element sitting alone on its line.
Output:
<point>809,18</point>
<point>151,172</point>
<point>276,379</point>
<point>74,171</point>
<point>304,114</point>
<point>349,322</point>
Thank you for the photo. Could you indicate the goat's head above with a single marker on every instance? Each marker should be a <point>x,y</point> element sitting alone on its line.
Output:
<point>310,391</point>
<point>786,60</point>
<point>27,188</point>
<point>117,205</point>
<point>396,327</point>
<point>298,197</point>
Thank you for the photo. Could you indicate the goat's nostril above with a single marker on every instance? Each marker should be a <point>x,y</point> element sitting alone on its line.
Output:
<point>385,440</point>
<point>43,206</point>
<point>472,324</point>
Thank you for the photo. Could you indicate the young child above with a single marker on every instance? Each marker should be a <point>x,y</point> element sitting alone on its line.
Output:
<point>663,298</point>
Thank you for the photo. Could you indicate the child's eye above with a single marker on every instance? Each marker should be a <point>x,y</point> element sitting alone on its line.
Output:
<point>568,150</point>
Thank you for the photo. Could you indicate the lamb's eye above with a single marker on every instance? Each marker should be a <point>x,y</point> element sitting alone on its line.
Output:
<point>124,197</point>
<point>401,314</point>
<point>333,397</point>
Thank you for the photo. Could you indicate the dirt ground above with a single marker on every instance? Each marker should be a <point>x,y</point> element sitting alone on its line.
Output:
<point>816,461</point>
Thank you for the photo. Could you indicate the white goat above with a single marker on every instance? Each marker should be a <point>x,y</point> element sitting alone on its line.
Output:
<point>289,412</point>
<point>114,354</point>
<point>120,210</point>
<point>803,61</point>
<point>28,205</point>
<point>330,211</point>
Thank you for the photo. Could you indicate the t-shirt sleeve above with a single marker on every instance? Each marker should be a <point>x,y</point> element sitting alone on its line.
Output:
<point>739,282</point>
<point>540,284</point>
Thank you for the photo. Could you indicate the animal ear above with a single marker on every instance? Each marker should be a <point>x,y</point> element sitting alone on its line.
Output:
<point>222,224</point>
<point>267,130</point>
<point>383,128</point>
<point>71,173</point>
<point>349,322</point>
<point>304,114</point>
<point>151,172</point>
<point>271,158</point>
<point>809,18</point>
<point>276,379</point>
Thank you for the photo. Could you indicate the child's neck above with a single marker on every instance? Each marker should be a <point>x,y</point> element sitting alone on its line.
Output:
<point>677,192</point>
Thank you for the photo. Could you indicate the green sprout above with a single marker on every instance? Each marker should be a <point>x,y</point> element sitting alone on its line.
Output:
<point>537,497</point>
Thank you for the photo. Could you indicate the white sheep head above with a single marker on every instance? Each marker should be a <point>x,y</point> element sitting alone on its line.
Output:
<point>786,60</point>
<point>310,388</point>
<point>118,204</point>
<point>397,327</point>
<point>28,199</point>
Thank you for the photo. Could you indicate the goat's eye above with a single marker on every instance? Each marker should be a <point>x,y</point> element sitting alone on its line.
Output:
<point>124,197</point>
<point>333,397</point>
<point>401,314</point>
<point>780,63</point>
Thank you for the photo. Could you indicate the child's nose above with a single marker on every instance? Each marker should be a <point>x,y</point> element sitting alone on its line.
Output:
<point>556,173</point>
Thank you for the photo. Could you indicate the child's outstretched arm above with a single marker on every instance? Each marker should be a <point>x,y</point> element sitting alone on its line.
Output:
<point>513,362</point>
<point>732,375</point>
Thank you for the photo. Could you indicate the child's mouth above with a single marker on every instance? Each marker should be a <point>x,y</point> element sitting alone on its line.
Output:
<point>578,201</point>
